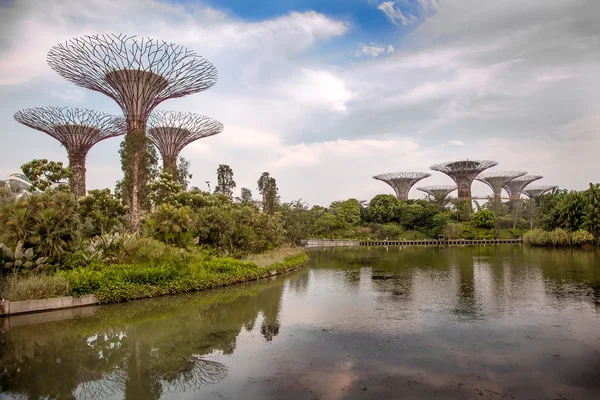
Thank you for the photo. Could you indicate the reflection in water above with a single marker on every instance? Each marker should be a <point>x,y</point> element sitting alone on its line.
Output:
<point>472,322</point>
<point>143,349</point>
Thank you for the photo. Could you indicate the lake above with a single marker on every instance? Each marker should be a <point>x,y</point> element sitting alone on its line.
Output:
<point>503,322</point>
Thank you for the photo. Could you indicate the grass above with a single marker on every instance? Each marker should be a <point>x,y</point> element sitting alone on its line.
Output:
<point>123,282</point>
<point>29,287</point>
<point>413,235</point>
<point>273,256</point>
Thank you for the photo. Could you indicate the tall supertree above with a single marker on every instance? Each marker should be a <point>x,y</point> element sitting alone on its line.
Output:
<point>463,173</point>
<point>438,193</point>
<point>497,179</point>
<point>535,191</point>
<point>78,130</point>
<point>401,182</point>
<point>171,131</point>
<point>139,74</point>
<point>516,186</point>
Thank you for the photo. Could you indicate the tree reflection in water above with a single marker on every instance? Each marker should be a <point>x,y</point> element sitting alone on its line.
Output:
<point>143,349</point>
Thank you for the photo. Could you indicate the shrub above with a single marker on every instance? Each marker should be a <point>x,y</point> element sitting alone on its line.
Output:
<point>33,286</point>
<point>484,219</point>
<point>537,237</point>
<point>101,212</point>
<point>559,238</point>
<point>581,237</point>
<point>171,225</point>
<point>453,231</point>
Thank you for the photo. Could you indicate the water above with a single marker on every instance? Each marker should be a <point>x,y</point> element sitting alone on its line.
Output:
<point>367,323</point>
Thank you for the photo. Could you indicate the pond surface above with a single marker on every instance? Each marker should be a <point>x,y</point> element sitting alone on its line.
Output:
<point>501,322</point>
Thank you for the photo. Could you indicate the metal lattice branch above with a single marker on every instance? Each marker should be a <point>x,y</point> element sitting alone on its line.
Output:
<point>171,131</point>
<point>463,173</point>
<point>138,73</point>
<point>497,179</point>
<point>516,186</point>
<point>401,182</point>
<point>535,191</point>
<point>78,130</point>
<point>439,193</point>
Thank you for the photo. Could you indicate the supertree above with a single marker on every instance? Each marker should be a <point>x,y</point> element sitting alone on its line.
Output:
<point>401,182</point>
<point>78,130</point>
<point>497,179</point>
<point>438,193</point>
<point>139,74</point>
<point>171,131</point>
<point>536,191</point>
<point>516,186</point>
<point>463,173</point>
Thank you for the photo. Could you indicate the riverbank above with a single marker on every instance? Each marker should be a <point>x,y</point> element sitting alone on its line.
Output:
<point>124,282</point>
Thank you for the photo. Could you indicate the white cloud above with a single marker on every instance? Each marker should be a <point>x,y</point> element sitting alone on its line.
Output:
<point>456,142</point>
<point>373,50</point>
<point>395,14</point>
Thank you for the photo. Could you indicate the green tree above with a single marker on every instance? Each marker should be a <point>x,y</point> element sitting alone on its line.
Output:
<point>267,186</point>
<point>44,175</point>
<point>298,221</point>
<point>571,211</point>
<point>183,175</point>
<point>383,208</point>
<point>101,212</point>
<point>348,212</point>
<point>171,225</point>
<point>484,219</point>
<point>139,162</point>
<point>245,196</point>
<point>591,217</point>
<point>165,190</point>
<point>225,182</point>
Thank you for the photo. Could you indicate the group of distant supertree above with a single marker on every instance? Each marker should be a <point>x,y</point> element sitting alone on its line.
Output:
<point>139,74</point>
<point>463,173</point>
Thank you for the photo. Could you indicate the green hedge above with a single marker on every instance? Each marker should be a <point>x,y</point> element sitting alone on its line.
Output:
<point>116,283</point>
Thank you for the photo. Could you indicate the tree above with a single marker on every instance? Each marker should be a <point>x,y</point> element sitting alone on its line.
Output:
<point>245,196</point>
<point>44,175</point>
<point>137,175</point>
<point>182,175</point>
<point>484,219</point>
<point>225,182</point>
<point>164,190</point>
<point>591,218</point>
<point>101,212</point>
<point>267,186</point>
<point>348,212</point>
<point>298,221</point>
<point>383,208</point>
<point>571,211</point>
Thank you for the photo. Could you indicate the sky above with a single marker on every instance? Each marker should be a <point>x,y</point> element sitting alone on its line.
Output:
<point>325,94</point>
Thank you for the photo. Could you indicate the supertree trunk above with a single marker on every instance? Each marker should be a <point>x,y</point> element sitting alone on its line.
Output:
<point>170,166</point>
<point>135,168</point>
<point>77,181</point>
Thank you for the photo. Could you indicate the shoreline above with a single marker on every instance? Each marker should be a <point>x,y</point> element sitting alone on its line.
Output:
<point>23,307</point>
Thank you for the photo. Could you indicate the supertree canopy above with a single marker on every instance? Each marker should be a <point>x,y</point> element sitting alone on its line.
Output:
<point>497,179</point>
<point>139,74</point>
<point>534,191</point>
<point>439,193</point>
<point>78,130</point>
<point>171,131</point>
<point>516,186</point>
<point>401,182</point>
<point>463,173</point>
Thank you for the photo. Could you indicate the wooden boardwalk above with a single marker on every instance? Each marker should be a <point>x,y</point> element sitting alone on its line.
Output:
<point>400,242</point>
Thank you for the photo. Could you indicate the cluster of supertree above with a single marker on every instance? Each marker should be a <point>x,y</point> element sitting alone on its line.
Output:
<point>138,74</point>
<point>463,173</point>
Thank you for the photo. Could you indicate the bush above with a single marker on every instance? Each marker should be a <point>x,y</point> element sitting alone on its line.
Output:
<point>559,238</point>
<point>484,219</point>
<point>453,231</point>
<point>48,223</point>
<point>537,237</point>
<point>581,237</point>
<point>171,225</point>
<point>33,286</point>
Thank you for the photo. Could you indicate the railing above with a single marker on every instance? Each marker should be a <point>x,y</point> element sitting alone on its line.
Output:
<point>402,242</point>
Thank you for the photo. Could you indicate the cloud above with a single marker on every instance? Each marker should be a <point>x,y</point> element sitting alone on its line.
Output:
<point>373,50</point>
<point>395,14</point>
<point>516,84</point>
